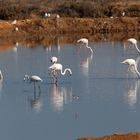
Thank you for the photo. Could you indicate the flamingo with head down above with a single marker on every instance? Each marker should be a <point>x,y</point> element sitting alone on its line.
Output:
<point>84,41</point>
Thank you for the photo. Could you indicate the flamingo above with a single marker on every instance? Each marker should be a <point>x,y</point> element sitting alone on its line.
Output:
<point>58,67</point>
<point>84,41</point>
<point>131,63</point>
<point>33,78</point>
<point>133,41</point>
<point>53,59</point>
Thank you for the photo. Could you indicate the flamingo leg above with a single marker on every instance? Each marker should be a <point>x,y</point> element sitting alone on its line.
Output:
<point>54,77</point>
<point>128,70</point>
<point>79,48</point>
<point>39,89</point>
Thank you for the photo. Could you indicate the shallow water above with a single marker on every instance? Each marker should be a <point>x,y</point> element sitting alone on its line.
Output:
<point>98,99</point>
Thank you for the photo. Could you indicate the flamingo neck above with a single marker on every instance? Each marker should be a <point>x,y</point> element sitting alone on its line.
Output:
<point>137,47</point>
<point>135,66</point>
<point>63,73</point>
<point>89,48</point>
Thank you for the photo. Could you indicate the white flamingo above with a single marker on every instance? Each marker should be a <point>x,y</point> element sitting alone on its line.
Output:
<point>132,64</point>
<point>133,41</point>
<point>58,67</point>
<point>33,78</point>
<point>84,41</point>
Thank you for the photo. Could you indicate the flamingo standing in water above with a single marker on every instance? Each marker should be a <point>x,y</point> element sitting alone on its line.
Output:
<point>58,67</point>
<point>132,64</point>
<point>84,41</point>
<point>34,79</point>
<point>133,41</point>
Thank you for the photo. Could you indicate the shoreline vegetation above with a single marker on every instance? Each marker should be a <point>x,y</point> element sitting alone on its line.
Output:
<point>95,29</point>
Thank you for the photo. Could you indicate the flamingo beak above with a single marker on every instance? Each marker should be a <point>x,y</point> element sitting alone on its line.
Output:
<point>122,62</point>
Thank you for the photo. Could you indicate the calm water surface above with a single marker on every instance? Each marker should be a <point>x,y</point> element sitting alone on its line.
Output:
<point>98,99</point>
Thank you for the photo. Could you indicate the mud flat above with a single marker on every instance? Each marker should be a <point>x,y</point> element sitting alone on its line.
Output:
<point>128,136</point>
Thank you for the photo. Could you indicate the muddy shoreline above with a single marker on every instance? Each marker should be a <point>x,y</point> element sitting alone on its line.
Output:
<point>35,31</point>
<point>114,28</point>
<point>116,136</point>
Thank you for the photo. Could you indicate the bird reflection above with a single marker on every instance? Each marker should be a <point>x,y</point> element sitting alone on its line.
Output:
<point>35,101</point>
<point>1,82</point>
<point>60,96</point>
<point>131,93</point>
<point>15,47</point>
<point>58,45</point>
<point>85,62</point>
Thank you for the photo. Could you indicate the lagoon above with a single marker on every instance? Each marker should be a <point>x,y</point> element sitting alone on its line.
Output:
<point>98,99</point>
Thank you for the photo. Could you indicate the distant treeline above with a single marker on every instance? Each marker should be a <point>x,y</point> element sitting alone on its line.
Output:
<point>21,9</point>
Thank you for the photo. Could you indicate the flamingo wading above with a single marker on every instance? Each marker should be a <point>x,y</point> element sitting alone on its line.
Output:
<point>84,41</point>
<point>133,41</point>
<point>33,78</point>
<point>58,67</point>
<point>131,63</point>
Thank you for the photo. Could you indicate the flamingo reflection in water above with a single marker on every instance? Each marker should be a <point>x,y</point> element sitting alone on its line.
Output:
<point>131,94</point>
<point>35,100</point>
<point>60,96</point>
<point>1,82</point>
<point>85,62</point>
<point>85,59</point>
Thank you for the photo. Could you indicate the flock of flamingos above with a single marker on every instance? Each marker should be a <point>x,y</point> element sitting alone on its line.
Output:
<point>57,67</point>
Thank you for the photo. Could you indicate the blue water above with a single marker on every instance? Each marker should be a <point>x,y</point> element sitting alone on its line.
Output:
<point>98,99</point>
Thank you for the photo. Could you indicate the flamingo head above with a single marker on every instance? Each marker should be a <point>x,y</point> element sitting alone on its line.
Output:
<point>26,77</point>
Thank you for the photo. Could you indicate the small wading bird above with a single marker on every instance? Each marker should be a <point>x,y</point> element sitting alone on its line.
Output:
<point>84,42</point>
<point>133,41</point>
<point>58,67</point>
<point>132,64</point>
